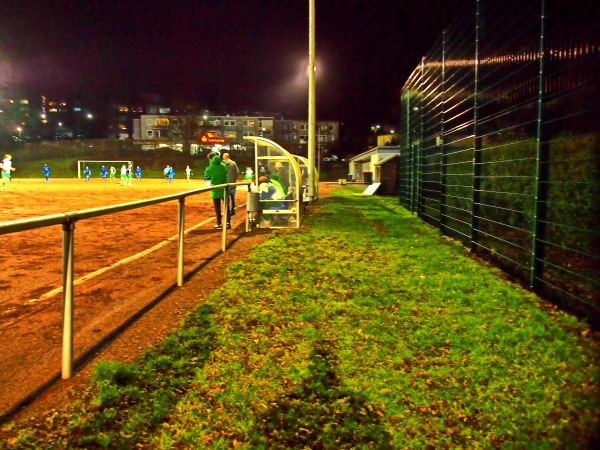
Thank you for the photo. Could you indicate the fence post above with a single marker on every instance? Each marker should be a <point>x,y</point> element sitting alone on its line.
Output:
<point>444,155</point>
<point>408,157</point>
<point>180,240</point>
<point>421,139</point>
<point>475,211</point>
<point>542,157</point>
<point>67,306</point>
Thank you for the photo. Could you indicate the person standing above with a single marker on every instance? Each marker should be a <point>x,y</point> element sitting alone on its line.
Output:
<point>138,173</point>
<point>232,174</point>
<point>129,173</point>
<point>113,174</point>
<point>46,170</point>
<point>188,173</point>
<point>128,176</point>
<point>216,173</point>
<point>88,173</point>
<point>103,173</point>
<point>123,178</point>
<point>284,176</point>
<point>7,168</point>
<point>249,176</point>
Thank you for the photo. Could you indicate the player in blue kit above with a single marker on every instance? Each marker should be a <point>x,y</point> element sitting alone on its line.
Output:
<point>88,173</point>
<point>103,172</point>
<point>46,170</point>
<point>138,173</point>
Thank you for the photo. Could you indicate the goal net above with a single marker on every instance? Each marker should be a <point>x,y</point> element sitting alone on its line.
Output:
<point>95,167</point>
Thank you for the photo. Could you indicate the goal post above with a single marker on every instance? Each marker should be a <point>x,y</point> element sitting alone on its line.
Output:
<point>96,166</point>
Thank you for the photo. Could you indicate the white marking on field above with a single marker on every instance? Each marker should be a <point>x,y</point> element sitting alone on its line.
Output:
<point>98,272</point>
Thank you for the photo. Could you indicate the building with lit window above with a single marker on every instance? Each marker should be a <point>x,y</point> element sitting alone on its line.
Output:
<point>231,130</point>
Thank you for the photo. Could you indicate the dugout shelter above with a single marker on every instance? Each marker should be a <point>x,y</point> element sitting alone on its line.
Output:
<point>277,192</point>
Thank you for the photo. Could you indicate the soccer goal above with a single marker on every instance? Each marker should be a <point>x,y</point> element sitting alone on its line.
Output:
<point>96,166</point>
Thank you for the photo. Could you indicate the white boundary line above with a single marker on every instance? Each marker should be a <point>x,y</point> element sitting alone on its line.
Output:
<point>98,272</point>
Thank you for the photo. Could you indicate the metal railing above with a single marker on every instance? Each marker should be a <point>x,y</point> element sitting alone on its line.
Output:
<point>68,221</point>
<point>501,143</point>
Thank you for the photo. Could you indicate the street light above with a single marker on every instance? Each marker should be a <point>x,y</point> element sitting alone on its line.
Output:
<point>19,129</point>
<point>375,129</point>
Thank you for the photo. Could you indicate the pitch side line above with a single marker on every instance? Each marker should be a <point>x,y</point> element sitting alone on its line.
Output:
<point>98,272</point>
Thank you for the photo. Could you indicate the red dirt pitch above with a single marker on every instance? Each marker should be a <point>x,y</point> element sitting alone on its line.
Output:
<point>112,291</point>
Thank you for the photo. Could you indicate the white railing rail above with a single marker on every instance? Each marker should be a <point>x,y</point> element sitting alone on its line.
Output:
<point>68,220</point>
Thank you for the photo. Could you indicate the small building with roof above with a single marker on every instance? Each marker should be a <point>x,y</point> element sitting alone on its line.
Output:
<point>377,165</point>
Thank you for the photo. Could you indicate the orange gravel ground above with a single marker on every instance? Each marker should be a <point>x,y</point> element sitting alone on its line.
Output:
<point>31,314</point>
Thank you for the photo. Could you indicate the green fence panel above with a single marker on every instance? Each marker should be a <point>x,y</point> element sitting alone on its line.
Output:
<point>501,143</point>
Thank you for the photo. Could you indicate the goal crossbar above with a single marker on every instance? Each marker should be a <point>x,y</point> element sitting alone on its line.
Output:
<point>81,163</point>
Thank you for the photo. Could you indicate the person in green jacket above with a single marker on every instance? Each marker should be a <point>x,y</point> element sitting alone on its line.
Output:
<point>216,172</point>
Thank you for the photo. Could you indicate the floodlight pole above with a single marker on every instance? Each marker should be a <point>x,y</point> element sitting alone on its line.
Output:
<point>311,101</point>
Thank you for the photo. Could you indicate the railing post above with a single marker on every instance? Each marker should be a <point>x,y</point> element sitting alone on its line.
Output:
<point>68,255</point>
<point>226,217</point>
<point>180,241</point>
<point>247,213</point>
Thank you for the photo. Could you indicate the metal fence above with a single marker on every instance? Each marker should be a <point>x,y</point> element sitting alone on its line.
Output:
<point>501,141</point>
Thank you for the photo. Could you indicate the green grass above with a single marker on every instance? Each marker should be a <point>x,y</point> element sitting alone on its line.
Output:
<point>366,329</point>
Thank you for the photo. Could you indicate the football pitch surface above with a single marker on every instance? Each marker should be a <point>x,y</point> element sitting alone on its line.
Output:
<point>122,262</point>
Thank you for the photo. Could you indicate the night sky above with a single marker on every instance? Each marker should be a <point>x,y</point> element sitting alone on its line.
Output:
<point>232,56</point>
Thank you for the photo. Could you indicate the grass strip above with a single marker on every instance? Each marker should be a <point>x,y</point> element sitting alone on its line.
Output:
<point>365,329</point>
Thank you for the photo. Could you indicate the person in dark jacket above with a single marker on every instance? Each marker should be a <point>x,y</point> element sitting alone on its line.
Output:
<point>216,172</point>
<point>232,174</point>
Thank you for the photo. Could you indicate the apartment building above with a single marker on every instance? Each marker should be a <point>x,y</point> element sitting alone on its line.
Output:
<point>231,130</point>
<point>293,136</point>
